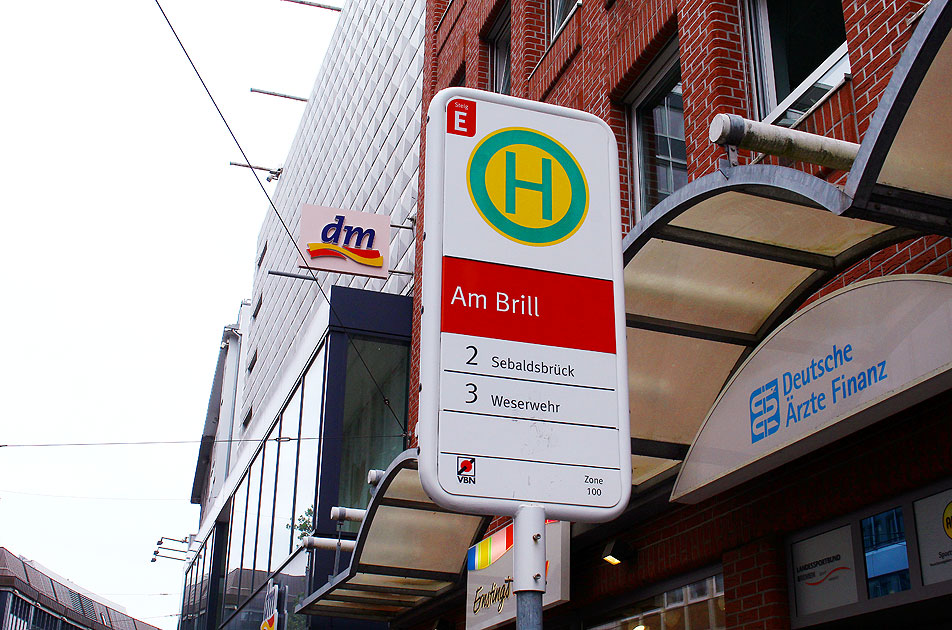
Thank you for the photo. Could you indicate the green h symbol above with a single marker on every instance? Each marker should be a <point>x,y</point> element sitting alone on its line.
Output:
<point>544,187</point>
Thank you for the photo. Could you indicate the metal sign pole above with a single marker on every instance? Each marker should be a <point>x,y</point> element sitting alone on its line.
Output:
<point>528,541</point>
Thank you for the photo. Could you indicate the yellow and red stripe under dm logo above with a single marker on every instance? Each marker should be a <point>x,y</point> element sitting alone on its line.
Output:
<point>270,622</point>
<point>369,257</point>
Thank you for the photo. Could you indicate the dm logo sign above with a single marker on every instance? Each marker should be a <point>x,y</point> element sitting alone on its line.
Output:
<point>764,411</point>
<point>527,186</point>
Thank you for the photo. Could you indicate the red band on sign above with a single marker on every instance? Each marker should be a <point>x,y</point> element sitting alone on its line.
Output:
<point>515,304</point>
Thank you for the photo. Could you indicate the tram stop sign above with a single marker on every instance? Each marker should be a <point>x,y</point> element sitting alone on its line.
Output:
<point>524,388</point>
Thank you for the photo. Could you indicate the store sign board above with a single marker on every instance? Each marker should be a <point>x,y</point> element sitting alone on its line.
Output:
<point>490,601</point>
<point>344,241</point>
<point>823,571</point>
<point>934,530</point>
<point>273,616</point>
<point>523,357</point>
<point>846,361</point>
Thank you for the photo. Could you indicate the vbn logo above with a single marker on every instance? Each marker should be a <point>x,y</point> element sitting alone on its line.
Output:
<point>466,469</point>
<point>527,186</point>
<point>764,411</point>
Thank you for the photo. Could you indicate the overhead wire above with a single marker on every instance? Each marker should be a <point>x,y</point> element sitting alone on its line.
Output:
<point>283,438</point>
<point>287,230</point>
<point>87,498</point>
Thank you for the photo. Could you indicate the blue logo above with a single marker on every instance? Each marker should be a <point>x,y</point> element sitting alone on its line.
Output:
<point>764,411</point>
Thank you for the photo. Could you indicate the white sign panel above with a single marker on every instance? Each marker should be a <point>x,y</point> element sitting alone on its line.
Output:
<point>824,575</point>
<point>490,601</point>
<point>523,359</point>
<point>934,529</point>
<point>850,359</point>
<point>345,241</point>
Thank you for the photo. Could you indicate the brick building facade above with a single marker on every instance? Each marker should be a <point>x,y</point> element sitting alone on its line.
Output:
<point>610,58</point>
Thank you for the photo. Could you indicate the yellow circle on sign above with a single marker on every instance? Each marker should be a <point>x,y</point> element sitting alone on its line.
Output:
<point>527,186</point>
<point>947,520</point>
<point>529,161</point>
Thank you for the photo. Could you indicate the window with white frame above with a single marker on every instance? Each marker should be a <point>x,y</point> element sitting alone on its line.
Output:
<point>500,46</point>
<point>799,55</point>
<point>559,13</point>
<point>695,606</point>
<point>658,150</point>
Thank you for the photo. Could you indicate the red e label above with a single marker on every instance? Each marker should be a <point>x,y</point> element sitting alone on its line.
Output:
<point>461,117</point>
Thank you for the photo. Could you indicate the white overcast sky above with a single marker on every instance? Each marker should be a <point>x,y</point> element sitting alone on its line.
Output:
<point>126,244</point>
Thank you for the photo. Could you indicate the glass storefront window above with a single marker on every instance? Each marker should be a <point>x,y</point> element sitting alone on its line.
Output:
<point>674,619</point>
<point>293,578</point>
<point>884,547</point>
<point>266,510</point>
<point>236,532</point>
<point>309,450</point>
<point>695,606</point>
<point>284,497</point>
<point>251,529</point>
<point>372,429</point>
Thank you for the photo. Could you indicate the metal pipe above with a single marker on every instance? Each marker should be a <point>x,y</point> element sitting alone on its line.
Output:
<point>348,514</point>
<point>375,476</point>
<point>279,94</point>
<point>733,130</point>
<point>312,542</point>
<point>300,276</point>
<point>528,610</point>
<point>315,4</point>
<point>528,542</point>
<point>251,166</point>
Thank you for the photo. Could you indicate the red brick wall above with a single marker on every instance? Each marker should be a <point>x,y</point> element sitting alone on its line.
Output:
<point>755,586</point>
<point>592,65</point>
<point>876,34</point>
<point>607,46</point>
<point>927,254</point>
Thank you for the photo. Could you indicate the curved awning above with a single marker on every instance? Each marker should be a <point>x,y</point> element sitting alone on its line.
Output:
<point>835,367</point>
<point>709,273</point>
<point>718,265</point>
<point>408,551</point>
<point>903,172</point>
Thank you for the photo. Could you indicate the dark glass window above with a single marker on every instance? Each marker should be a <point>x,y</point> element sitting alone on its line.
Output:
<point>19,614</point>
<point>559,11</point>
<point>500,43</point>
<point>43,620</point>
<point>884,545</point>
<point>798,55</point>
<point>802,36</point>
<point>372,429</point>
<point>662,151</point>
